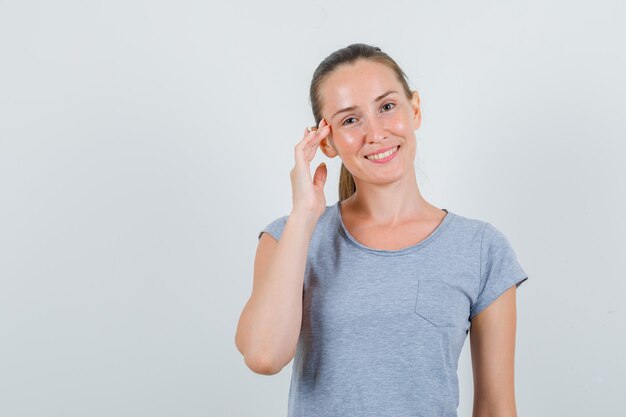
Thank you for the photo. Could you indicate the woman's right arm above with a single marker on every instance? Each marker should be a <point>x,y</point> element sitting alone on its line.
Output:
<point>269,326</point>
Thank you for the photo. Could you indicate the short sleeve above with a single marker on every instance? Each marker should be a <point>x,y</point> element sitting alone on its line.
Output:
<point>499,268</point>
<point>275,228</point>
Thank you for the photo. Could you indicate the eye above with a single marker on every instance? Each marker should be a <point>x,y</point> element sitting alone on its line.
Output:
<point>344,122</point>
<point>388,104</point>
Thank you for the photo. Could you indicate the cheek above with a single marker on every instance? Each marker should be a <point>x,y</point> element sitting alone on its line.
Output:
<point>347,141</point>
<point>400,123</point>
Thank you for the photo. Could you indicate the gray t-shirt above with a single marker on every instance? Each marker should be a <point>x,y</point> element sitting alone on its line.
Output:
<point>382,330</point>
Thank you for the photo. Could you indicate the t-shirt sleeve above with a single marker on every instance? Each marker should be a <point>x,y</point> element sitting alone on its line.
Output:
<point>499,268</point>
<point>275,228</point>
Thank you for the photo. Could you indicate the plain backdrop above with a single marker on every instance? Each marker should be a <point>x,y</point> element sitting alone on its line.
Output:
<point>144,145</point>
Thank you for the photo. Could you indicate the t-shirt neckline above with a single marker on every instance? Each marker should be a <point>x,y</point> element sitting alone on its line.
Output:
<point>384,252</point>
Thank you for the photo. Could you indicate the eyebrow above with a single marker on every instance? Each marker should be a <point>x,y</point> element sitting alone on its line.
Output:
<point>380,97</point>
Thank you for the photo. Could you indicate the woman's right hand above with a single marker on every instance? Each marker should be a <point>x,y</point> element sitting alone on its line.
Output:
<point>308,194</point>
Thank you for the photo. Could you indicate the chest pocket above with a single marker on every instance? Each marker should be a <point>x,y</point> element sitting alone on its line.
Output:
<point>441,304</point>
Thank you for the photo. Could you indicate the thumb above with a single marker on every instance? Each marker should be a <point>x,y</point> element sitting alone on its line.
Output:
<point>319,178</point>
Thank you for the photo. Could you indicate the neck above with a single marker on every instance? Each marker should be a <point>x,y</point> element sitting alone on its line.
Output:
<point>392,203</point>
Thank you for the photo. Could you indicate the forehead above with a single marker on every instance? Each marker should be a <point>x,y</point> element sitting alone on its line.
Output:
<point>357,84</point>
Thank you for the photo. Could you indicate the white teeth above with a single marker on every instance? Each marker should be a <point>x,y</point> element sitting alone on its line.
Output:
<point>383,155</point>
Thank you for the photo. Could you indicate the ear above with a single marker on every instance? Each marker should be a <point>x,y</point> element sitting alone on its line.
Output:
<point>417,110</point>
<point>328,147</point>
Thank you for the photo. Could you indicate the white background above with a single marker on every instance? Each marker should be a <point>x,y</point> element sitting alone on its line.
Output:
<point>144,145</point>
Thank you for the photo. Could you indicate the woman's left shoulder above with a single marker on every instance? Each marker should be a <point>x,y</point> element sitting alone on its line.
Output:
<point>465,225</point>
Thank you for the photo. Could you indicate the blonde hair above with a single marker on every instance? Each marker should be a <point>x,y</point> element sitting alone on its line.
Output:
<point>349,55</point>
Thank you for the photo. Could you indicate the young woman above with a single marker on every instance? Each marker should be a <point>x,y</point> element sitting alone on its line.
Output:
<point>373,297</point>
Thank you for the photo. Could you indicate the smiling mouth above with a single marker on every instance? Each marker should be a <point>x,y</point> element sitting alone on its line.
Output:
<point>384,155</point>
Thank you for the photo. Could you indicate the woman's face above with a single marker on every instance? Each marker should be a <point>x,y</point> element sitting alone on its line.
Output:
<point>373,121</point>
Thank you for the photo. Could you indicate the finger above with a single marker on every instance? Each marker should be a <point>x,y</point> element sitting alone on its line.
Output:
<point>319,178</point>
<point>321,131</point>
<point>318,127</point>
<point>309,135</point>
<point>315,139</point>
<point>312,138</point>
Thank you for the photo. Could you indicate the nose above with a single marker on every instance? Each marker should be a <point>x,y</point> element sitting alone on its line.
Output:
<point>376,130</point>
